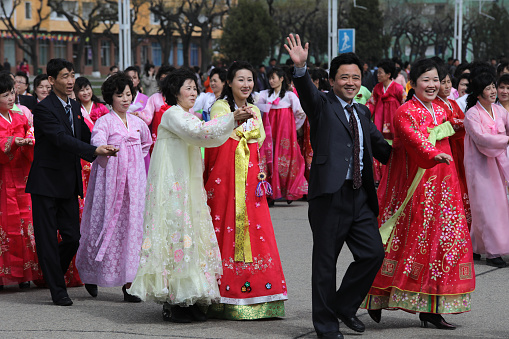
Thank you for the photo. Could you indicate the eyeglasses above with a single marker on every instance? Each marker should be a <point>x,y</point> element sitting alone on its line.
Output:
<point>20,82</point>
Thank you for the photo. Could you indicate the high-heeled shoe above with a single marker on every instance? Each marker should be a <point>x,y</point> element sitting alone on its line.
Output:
<point>129,297</point>
<point>435,319</point>
<point>376,315</point>
<point>91,289</point>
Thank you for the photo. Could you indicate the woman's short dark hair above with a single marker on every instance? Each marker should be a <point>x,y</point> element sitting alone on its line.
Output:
<point>25,76</point>
<point>457,81</point>
<point>82,82</point>
<point>504,79</point>
<point>232,71</point>
<point>147,67</point>
<point>115,84</point>
<point>477,85</point>
<point>221,73</point>
<point>420,67</point>
<point>172,83</point>
<point>344,59</point>
<point>37,81</point>
<point>501,67</point>
<point>6,83</point>
<point>281,73</point>
<point>323,78</point>
<point>388,66</point>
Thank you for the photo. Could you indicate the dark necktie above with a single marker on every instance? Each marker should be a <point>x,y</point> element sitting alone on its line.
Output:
<point>69,116</point>
<point>354,129</point>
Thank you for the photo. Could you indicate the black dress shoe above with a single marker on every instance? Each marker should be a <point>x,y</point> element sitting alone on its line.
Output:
<point>176,314</point>
<point>289,202</point>
<point>24,285</point>
<point>435,319</point>
<point>476,256</point>
<point>496,262</point>
<point>196,314</point>
<point>353,322</point>
<point>129,297</point>
<point>331,335</point>
<point>271,203</point>
<point>64,301</point>
<point>376,315</point>
<point>91,289</point>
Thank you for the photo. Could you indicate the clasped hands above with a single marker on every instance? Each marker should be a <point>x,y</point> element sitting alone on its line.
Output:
<point>23,141</point>
<point>106,150</point>
<point>243,113</point>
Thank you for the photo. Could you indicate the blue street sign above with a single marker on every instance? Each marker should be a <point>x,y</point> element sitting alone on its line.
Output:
<point>346,40</point>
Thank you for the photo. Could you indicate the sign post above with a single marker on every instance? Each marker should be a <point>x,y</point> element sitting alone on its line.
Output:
<point>346,40</point>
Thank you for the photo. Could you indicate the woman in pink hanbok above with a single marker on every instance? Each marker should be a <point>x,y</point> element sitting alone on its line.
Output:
<point>487,169</point>
<point>112,221</point>
<point>280,154</point>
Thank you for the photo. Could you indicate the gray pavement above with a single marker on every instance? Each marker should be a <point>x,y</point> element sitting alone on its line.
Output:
<point>30,313</point>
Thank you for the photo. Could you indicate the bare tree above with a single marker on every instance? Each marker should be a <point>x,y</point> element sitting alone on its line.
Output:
<point>84,19</point>
<point>166,18</point>
<point>29,46</point>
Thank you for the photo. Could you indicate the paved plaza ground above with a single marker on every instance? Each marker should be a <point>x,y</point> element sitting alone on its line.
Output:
<point>30,313</point>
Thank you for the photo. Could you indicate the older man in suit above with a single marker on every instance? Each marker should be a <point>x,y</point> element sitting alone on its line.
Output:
<point>62,138</point>
<point>343,205</point>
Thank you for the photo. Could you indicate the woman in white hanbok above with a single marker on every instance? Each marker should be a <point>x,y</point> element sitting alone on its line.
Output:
<point>180,258</point>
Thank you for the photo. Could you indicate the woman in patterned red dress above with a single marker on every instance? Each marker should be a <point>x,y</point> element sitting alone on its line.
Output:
<point>428,266</point>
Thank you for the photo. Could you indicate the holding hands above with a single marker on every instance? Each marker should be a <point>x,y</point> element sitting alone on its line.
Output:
<point>23,141</point>
<point>297,53</point>
<point>106,150</point>
<point>243,113</point>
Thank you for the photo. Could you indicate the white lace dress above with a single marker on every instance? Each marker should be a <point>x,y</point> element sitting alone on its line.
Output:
<point>180,257</point>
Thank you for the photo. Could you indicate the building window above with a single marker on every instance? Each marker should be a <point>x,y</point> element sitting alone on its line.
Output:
<point>156,54</point>
<point>28,10</point>
<point>60,49</point>
<point>144,54</point>
<point>7,5</point>
<point>105,53</point>
<point>155,19</point>
<point>10,51</point>
<point>194,55</point>
<point>88,55</point>
<point>43,52</point>
<point>180,54</point>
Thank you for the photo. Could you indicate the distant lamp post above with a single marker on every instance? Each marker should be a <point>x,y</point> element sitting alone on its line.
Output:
<point>124,34</point>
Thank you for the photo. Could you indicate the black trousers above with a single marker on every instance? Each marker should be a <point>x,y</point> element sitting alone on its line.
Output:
<point>50,215</point>
<point>335,219</point>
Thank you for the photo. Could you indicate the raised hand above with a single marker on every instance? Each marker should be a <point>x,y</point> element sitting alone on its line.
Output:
<point>297,53</point>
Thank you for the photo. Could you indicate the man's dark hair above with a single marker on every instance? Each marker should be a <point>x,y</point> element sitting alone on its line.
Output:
<point>25,76</point>
<point>116,84</point>
<point>344,59</point>
<point>172,83</point>
<point>54,67</point>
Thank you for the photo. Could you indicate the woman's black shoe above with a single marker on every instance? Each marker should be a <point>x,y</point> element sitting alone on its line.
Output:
<point>176,314</point>
<point>496,262</point>
<point>91,289</point>
<point>24,285</point>
<point>271,203</point>
<point>196,314</point>
<point>476,256</point>
<point>289,202</point>
<point>129,297</point>
<point>376,315</point>
<point>435,319</point>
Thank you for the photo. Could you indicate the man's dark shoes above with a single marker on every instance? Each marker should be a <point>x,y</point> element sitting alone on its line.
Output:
<point>376,315</point>
<point>496,262</point>
<point>331,335</point>
<point>129,297</point>
<point>353,322</point>
<point>64,301</point>
<point>91,289</point>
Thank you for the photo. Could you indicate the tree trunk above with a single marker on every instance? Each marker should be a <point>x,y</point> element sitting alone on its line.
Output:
<point>79,55</point>
<point>34,55</point>
<point>166,47</point>
<point>95,60</point>
<point>205,38</point>
<point>186,42</point>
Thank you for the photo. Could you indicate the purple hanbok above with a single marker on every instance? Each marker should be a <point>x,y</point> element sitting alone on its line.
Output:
<point>112,222</point>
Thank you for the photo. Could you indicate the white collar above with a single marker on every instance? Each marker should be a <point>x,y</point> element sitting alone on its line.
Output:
<point>432,112</point>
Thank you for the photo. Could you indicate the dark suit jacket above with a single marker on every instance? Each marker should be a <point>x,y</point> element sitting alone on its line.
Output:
<point>56,169</point>
<point>332,142</point>
<point>28,101</point>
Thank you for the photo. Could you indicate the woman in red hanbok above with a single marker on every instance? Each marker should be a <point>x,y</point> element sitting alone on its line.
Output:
<point>280,153</point>
<point>252,285</point>
<point>428,266</point>
<point>386,98</point>
<point>18,258</point>
<point>455,116</point>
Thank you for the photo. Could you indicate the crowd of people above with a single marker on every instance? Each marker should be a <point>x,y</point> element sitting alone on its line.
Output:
<point>165,192</point>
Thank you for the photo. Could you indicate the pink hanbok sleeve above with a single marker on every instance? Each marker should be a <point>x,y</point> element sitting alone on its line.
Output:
<point>147,113</point>
<point>146,139</point>
<point>298,112</point>
<point>99,137</point>
<point>490,139</point>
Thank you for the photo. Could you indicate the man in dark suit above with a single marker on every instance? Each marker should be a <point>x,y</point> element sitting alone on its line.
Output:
<point>262,81</point>
<point>29,101</point>
<point>343,204</point>
<point>55,176</point>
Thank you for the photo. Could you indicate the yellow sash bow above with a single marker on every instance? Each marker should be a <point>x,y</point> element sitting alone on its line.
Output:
<point>242,239</point>
<point>386,230</point>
